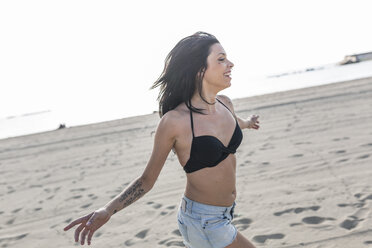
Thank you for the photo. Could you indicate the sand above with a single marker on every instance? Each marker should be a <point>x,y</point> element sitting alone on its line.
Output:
<point>303,179</point>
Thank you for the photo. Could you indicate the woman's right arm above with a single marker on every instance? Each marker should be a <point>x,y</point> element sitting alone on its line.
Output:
<point>165,138</point>
<point>163,143</point>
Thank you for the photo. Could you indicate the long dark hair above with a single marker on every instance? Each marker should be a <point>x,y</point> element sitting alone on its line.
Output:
<point>184,71</point>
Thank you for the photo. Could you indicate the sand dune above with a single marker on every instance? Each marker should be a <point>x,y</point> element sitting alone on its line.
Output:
<point>303,180</point>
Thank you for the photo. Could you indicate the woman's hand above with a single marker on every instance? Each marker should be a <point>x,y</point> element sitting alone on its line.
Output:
<point>89,224</point>
<point>252,122</point>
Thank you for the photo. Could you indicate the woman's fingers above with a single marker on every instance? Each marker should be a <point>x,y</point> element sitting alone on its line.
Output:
<point>88,225</point>
<point>75,222</point>
<point>77,232</point>
<point>91,219</point>
<point>78,221</point>
<point>253,122</point>
<point>90,235</point>
<point>83,235</point>
<point>89,229</point>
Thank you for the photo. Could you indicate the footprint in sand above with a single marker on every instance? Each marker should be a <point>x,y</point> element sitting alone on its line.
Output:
<point>78,189</point>
<point>177,232</point>
<point>68,220</point>
<point>171,242</point>
<point>267,146</point>
<point>54,226</point>
<point>142,234</point>
<point>86,205</point>
<point>20,236</point>
<point>245,163</point>
<point>164,241</point>
<point>16,210</point>
<point>171,207</point>
<point>338,152</point>
<point>262,238</point>
<point>10,222</point>
<point>357,205</point>
<point>363,156</point>
<point>315,220</point>
<point>358,195</point>
<point>36,186</point>
<point>367,242</point>
<point>50,197</point>
<point>129,242</point>
<point>302,143</point>
<point>175,243</point>
<point>361,202</point>
<point>157,205</point>
<point>369,197</point>
<point>297,210</point>
<point>351,223</point>
<point>47,175</point>
<point>343,138</point>
<point>241,224</point>
<point>74,197</point>
<point>47,190</point>
<point>250,154</point>
<point>295,224</point>
<point>92,196</point>
<point>366,145</point>
<point>297,155</point>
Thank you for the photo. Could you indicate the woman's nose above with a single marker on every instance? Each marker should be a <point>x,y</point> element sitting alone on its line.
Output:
<point>231,64</point>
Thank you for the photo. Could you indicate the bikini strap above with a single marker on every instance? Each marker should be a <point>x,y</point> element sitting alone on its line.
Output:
<point>224,105</point>
<point>192,123</point>
<point>228,110</point>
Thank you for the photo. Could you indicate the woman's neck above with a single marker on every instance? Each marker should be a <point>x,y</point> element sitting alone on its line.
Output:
<point>208,103</point>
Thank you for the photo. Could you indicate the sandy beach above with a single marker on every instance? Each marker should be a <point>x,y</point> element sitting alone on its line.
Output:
<point>303,180</point>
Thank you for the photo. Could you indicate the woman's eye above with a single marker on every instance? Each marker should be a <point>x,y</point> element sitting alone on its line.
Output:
<point>222,59</point>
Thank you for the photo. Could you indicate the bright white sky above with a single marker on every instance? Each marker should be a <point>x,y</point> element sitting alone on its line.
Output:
<point>97,59</point>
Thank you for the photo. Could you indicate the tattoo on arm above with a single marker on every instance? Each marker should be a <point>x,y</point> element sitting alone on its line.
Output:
<point>133,193</point>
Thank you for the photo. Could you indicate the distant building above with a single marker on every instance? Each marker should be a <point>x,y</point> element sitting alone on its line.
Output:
<point>355,58</point>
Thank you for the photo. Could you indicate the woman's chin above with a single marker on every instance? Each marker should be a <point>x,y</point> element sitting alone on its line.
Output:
<point>227,85</point>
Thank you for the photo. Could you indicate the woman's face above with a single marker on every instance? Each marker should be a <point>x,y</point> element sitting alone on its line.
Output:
<point>218,72</point>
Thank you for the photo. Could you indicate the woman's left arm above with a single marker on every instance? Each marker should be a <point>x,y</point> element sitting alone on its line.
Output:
<point>251,122</point>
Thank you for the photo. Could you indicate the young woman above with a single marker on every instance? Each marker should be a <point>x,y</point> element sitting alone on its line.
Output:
<point>203,130</point>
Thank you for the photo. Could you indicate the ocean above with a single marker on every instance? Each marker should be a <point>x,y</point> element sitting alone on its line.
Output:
<point>48,120</point>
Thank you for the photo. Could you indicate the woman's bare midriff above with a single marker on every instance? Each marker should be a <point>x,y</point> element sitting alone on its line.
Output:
<point>215,185</point>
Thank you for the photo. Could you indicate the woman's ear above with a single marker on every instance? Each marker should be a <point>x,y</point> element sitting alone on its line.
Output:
<point>200,74</point>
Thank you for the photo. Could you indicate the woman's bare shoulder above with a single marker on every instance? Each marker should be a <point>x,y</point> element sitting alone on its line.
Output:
<point>176,119</point>
<point>226,100</point>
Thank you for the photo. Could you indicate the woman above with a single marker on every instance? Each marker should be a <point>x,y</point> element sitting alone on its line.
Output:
<point>203,130</point>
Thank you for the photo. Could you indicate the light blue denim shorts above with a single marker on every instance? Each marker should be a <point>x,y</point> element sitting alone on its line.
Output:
<point>205,226</point>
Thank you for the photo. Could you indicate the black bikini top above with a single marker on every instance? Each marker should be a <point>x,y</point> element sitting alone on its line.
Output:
<point>208,151</point>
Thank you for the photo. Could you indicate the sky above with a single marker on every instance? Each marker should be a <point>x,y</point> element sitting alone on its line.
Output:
<point>97,59</point>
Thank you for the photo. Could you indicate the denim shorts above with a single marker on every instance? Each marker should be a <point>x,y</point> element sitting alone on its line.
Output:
<point>205,226</point>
